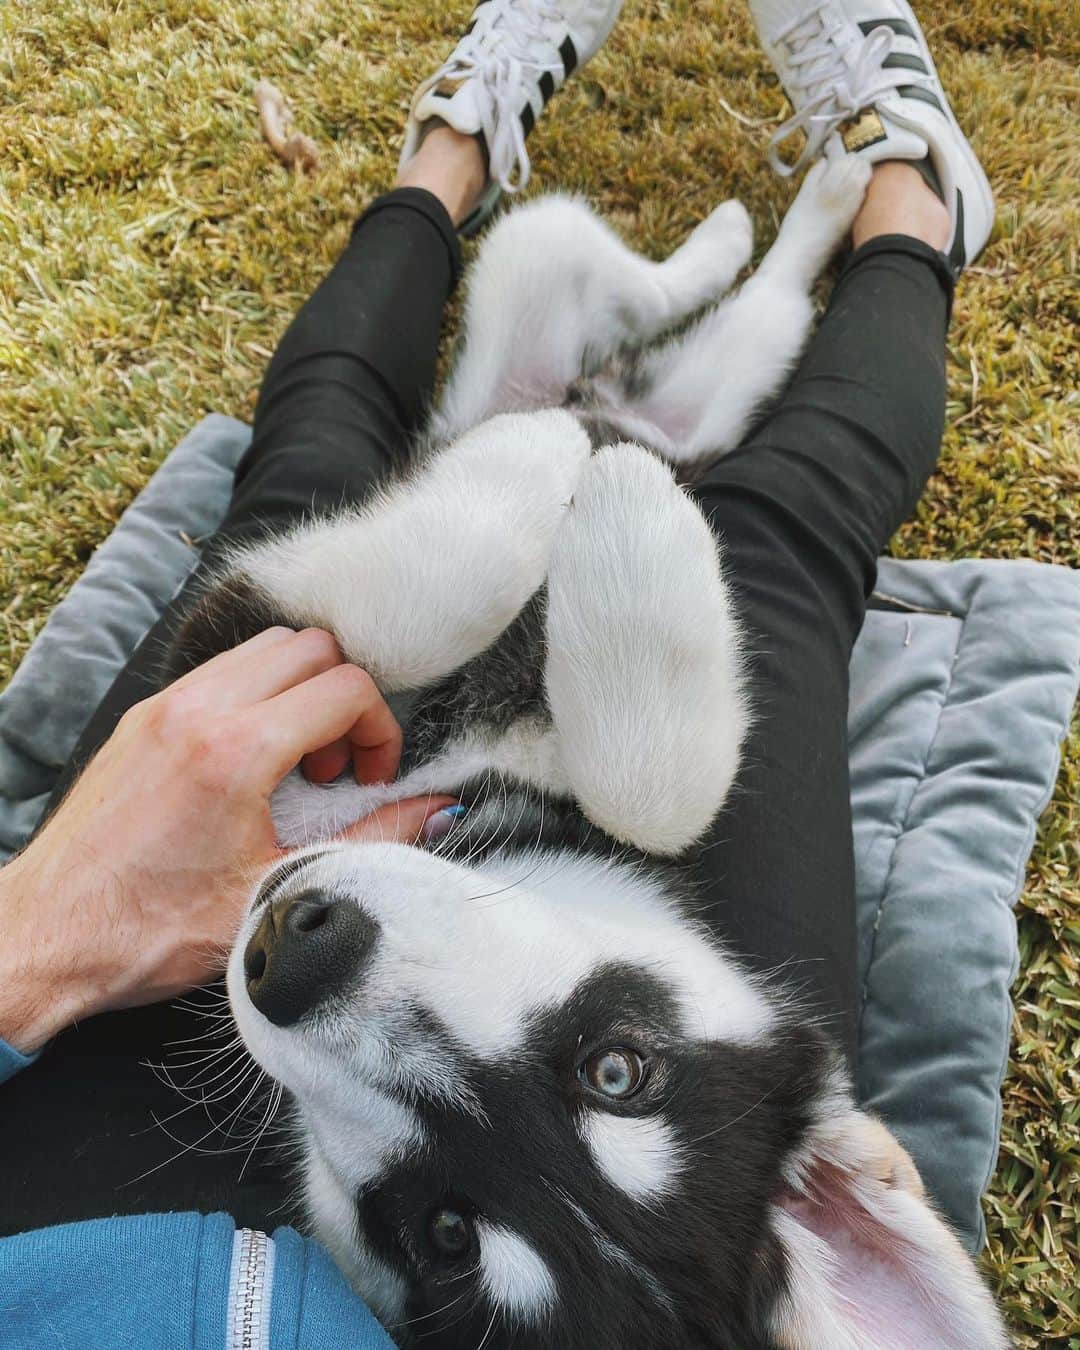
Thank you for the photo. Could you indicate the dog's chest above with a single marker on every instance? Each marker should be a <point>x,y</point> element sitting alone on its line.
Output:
<point>496,697</point>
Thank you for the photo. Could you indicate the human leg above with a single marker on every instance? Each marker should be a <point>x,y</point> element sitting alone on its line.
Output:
<point>806,505</point>
<point>353,374</point>
<point>803,509</point>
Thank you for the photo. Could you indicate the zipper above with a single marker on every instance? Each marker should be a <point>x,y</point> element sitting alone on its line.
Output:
<point>251,1276</point>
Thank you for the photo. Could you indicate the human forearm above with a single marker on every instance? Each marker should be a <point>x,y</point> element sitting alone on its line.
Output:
<point>48,978</point>
<point>133,891</point>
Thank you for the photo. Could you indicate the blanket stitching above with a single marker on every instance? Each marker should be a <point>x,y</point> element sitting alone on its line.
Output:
<point>919,781</point>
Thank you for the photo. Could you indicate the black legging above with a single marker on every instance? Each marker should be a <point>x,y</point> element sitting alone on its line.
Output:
<point>803,509</point>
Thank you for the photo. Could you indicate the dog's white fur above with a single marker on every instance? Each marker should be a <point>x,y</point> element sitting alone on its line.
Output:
<point>578,290</point>
<point>458,935</point>
<point>426,576</point>
<point>641,1157</point>
<point>648,712</point>
<point>514,1274</point>
<point>658,780</point>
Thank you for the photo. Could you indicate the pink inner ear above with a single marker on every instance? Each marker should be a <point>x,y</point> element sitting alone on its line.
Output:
<point>884,1290</point>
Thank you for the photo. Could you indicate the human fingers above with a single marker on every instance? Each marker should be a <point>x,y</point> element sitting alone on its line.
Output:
<point>323,766</point>
<point>341,703</point>
<point>268,670</point>
<point>234,657</point>
<point>400,822</point>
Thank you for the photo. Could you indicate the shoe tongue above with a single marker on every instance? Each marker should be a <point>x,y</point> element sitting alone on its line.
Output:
<point>453,99</point>
<point>876,137</point>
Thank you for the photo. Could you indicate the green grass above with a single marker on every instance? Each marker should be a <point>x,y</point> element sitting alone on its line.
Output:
<point>152,251</point>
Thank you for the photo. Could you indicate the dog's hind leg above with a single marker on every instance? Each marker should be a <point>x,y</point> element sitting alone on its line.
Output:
<point>430,572</point>
<point>702,390</point>
<point>554,287</point>
<point>643,671</point>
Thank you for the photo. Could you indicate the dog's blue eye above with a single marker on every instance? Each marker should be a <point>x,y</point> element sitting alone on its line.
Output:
<point>614,1073</point>
<point>449,1232</point>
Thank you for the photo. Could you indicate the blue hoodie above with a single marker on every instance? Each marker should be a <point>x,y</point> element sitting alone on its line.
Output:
<point>173,1282</point>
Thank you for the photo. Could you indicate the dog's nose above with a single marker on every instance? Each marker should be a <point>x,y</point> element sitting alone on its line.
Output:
<point>305,948</point>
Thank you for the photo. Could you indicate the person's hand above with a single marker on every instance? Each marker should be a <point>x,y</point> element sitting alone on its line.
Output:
<point>136,886</point>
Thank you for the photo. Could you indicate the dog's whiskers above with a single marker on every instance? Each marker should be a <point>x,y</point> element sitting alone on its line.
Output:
<point>490,1328</point>
<point>195,1147</point>
<point>227,1072</point>
<point>445,1307</point>
<point>268,1115</point>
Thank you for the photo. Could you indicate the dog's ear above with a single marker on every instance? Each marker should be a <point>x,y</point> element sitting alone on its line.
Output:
<point>870,1265</point>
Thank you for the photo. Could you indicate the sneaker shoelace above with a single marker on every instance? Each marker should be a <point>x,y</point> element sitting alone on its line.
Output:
<point>834,89</point>
<point>502,56</point>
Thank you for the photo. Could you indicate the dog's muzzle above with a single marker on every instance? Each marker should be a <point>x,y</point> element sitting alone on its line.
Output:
<point>306,948</point>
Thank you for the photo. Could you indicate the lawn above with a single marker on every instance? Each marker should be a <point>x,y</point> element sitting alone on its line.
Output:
<point>153,250</point>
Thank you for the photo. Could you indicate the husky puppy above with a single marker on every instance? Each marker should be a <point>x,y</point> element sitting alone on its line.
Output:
<point>539,1106</point>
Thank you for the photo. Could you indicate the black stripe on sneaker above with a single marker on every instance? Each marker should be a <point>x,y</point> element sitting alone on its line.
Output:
<point>547,86</point>
<point>900,27</point>
<point>920,91</point>
<point>528,119</point>
<point>901,61</point>
<point>568,52</point>
<point>958,254</point>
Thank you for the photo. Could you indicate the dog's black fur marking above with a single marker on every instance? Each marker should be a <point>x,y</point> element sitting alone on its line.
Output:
<point>501,686</point>
<point>505,816</point>
<point>706,1279</point>
<point>228,611</point>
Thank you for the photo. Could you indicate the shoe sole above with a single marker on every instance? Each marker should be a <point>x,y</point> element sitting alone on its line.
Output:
<point>609,23</point>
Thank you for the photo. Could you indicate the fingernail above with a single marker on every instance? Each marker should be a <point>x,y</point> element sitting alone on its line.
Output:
<point>439,825</point>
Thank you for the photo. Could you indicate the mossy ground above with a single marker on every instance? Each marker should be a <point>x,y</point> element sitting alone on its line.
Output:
<point>152,251</point>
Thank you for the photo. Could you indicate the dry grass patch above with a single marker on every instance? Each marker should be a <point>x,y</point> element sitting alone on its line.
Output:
<point>153,250</point>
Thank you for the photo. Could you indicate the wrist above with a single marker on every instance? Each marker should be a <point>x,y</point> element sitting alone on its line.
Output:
<point>48,979</point>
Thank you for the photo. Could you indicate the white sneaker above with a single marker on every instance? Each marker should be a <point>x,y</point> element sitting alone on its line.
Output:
<point>514,55</point>
<point>861,80</point>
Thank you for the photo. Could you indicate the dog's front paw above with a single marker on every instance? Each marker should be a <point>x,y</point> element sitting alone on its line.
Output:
<point>729,232</point>
<point>842,184</point>
<point>714,254</point>
<point>820,217</point>
<point>834,190</point>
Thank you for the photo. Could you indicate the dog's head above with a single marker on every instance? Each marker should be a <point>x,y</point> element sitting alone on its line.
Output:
<point>541,1108</point>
